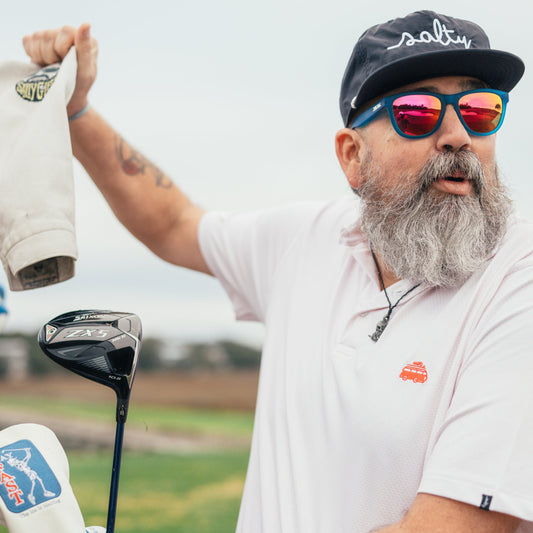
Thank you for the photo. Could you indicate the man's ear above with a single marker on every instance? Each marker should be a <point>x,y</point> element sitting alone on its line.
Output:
<point>349,149</point>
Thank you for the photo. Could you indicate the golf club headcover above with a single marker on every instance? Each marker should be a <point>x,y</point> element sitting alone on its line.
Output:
<point>37,240</point>
<point>35,492</point>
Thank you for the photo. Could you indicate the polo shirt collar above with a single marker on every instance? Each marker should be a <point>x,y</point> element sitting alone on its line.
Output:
<point>353,237</point>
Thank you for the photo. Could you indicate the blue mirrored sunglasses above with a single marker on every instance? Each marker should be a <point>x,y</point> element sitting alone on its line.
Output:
<point>419,114</point>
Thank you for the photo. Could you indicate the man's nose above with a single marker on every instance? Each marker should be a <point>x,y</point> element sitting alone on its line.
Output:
<point>452,135</point>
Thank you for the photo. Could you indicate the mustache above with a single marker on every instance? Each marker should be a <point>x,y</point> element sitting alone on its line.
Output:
<point>410,188</point>
<point>456,165</point>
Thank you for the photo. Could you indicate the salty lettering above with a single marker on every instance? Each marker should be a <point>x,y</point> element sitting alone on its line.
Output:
<point>441,34</point>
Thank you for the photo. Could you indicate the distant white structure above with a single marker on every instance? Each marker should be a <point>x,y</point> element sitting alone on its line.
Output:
<point>15,353</point>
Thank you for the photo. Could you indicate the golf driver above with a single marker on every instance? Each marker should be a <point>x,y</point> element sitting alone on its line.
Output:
<point>102,346</point>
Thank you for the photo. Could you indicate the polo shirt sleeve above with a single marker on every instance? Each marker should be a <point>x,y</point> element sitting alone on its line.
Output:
<point>483,454</point>
<point>243,250</point>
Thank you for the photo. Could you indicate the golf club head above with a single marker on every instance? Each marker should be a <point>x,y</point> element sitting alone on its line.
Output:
<point>102,346</point>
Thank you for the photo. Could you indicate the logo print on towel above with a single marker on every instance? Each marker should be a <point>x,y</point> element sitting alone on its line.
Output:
<point>415,372</point>
<point>26,480</point>
<point>441,34</point>
<point>35,86</point>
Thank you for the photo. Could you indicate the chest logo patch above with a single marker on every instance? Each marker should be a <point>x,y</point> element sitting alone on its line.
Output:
<point>415,372</point>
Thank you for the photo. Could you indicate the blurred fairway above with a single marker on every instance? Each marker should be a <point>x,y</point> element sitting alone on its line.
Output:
<point>177,419</point>
<point>193,493</point>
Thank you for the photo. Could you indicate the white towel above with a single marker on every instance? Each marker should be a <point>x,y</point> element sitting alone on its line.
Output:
<point>37,236</point>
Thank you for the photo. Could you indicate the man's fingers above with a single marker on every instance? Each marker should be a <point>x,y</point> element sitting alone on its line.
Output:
<point>27,42</point>
<point>32,47</point>
<point>86,46</point>
<point>64,40</point>
<point>86,52</point>
<point>49,46</point>
<point>35,46</point>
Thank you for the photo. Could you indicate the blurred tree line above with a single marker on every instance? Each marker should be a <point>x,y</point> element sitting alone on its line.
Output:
<point>156,354</point>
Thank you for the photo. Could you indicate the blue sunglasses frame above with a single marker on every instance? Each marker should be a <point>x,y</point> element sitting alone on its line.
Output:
<point>445,99</point>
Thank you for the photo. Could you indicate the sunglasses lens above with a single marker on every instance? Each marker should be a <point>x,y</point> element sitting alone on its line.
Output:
<point>416,114</point>
<point>482,112</point>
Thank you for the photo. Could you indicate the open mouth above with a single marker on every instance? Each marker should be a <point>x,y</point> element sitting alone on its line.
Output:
<point>454,184</point>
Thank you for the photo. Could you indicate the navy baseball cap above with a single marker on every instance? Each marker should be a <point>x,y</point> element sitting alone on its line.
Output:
<point>420,46</point>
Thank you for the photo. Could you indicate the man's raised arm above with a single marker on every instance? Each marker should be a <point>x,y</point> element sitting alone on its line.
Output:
<point>142,197</point>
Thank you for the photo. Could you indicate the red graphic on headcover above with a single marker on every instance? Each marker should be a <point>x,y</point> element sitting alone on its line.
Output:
<point>416,372</point>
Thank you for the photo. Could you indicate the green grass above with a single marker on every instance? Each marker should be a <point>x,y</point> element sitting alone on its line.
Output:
<point>199,421</point>
<point>196,493</point>
<point>159,493</point>
<point>224,423</point>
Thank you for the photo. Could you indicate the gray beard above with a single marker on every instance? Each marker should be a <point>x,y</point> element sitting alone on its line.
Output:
<point>428,236</point>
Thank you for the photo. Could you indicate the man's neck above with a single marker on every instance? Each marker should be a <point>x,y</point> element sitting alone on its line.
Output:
<point>389,278</point>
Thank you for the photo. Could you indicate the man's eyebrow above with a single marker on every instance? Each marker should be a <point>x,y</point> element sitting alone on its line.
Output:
<point>474,84</point>
<point>427,89</point>
<point>466,85</point>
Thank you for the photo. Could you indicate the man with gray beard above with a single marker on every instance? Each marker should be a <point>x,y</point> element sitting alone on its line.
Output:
<point>396,377</point>
<point>428,236</point>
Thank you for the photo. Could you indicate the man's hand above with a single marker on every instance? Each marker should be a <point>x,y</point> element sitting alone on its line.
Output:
<point>142,197</point>
<point>51,46</point>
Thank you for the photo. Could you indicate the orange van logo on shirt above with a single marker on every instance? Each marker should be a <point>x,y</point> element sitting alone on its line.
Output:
<point>415,372</point>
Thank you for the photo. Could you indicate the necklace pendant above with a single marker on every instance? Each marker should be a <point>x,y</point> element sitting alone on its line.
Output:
<point>380,328</point>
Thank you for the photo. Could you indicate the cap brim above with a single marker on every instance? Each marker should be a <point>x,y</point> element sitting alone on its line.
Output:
<point>500,70</point>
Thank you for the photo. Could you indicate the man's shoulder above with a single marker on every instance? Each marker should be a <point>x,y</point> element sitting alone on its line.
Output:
<point>516,247</point>
<point>341,212</point>
<point>519,235</point>
<point>343,208</point>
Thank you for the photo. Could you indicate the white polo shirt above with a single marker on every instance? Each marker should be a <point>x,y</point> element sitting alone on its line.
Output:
<point>348,430</point>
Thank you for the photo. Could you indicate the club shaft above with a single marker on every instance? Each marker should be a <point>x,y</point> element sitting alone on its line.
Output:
<point>113,493</point>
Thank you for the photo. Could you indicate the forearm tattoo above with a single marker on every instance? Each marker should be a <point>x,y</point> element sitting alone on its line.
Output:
<point>133,164</point>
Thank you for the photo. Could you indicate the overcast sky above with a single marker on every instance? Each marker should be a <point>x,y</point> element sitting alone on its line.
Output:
<point>237,101</point>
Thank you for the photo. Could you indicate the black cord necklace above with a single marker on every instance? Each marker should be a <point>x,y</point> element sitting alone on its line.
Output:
<point>383,323</point>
